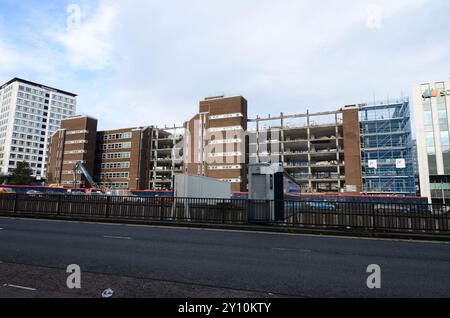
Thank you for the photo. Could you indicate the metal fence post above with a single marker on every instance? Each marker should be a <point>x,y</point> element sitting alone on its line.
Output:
<point>294,214</point>
<point>58,205</point>
<point>108,198</point>
<point>223,211</point>
<point>15,202</point>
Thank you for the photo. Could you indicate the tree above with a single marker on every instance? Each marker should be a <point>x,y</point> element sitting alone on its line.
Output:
<point>3,178</point>
<point>21,175</point>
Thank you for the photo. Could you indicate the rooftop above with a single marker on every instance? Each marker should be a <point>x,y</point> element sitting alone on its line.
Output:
<point>20,80</point>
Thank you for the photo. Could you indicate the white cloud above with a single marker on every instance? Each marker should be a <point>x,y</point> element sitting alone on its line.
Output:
<point>149,62</point>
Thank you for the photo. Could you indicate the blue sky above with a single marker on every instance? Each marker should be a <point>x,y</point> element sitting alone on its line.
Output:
<point>144,62</point>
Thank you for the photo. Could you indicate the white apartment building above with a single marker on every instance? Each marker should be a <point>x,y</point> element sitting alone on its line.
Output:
<point>29,114</point>
<point>431,108</point>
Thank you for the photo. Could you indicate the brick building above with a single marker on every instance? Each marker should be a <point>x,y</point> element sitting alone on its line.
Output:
<point>215,141</point>
<point>116,159</point>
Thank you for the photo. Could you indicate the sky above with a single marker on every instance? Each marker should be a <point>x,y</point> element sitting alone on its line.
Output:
<point>143,62</point>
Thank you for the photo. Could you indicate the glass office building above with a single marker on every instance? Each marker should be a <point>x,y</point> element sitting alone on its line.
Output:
<point>431,109</point>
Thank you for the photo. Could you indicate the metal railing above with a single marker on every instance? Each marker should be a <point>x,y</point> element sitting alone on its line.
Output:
<point>375,217</point>
<point>395,217</point>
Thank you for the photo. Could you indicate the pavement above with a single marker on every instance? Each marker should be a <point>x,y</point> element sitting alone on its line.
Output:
<point>152,261</point>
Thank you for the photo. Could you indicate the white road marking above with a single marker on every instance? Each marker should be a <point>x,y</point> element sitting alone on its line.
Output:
<point>117,237</point>
<point>322,236</point>
<point>19,287</point>
<point>291,250</point>
<point>1,228</point>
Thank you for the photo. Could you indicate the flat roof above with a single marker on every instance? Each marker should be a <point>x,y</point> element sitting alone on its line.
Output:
<point>218,97</point>
<point>78,117</point>
<point>17,79</point>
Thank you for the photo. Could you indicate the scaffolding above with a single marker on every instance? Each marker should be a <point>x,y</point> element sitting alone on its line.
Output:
<point>388,163</point>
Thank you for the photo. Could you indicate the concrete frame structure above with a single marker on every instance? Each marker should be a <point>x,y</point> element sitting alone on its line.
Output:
<point>166,157</point>
<point>311,148</point>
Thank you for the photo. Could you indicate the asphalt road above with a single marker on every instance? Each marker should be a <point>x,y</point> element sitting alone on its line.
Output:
<point>177,262</point>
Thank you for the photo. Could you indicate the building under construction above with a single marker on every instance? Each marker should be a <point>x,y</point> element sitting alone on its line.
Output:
<point>363,148</point>
<point>311,147</point>
<point>166,157</point>
<point>387,148</point>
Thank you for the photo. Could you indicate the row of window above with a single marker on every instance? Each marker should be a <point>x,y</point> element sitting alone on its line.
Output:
<point>126,135</point>
<point>28,110</point>
<point>30,97</point>
<point>20,151</point>
<point>28,137</point>
<point>63,99</point>
<point>29,123</point>
<point>31,91</point>
<point>27,143</point>
<point>76,142</point>
<point>29,116</point>
<point>122,145</point>
<point>224,167</point>
<point>115,165</point>
<point>114,185</point>
<point>74,152</point>
<point>116,155</point>
<point>44,94</point>
<point>64,111</point>
<point>66,172</point>
<point>114,175</point>
<point>225,116</point>
<point>28,130</point>
<point>32,164</point>
<point>75,132</point>
<point>71,162</point>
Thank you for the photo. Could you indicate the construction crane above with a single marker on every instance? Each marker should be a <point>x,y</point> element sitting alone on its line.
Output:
<point>79,166</point>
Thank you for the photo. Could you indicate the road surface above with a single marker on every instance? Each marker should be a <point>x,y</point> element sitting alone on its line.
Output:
<point>145,261</point>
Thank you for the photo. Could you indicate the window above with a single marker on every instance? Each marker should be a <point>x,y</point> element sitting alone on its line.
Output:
<point>443,119</point>
<point>445,141</point>
<point>430,143</point>
<point>428,118</point>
